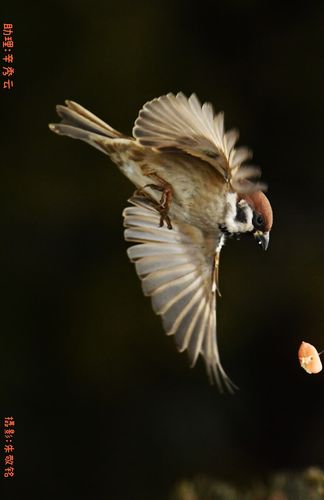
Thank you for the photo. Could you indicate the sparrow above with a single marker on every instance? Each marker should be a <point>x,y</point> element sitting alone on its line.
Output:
<point>194,190</point>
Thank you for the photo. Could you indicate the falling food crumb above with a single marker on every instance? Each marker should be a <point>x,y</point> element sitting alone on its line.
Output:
<point>309,358</point>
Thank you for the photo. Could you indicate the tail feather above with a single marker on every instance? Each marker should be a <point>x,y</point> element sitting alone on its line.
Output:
<point>78,123</point>
<point>77,116</point>
<point>94,139</point>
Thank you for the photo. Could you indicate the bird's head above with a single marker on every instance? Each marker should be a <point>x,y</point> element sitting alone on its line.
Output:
<point>262,216</point>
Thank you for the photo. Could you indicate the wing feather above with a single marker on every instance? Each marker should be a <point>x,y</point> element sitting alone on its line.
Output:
<point>176,268</point>
<point>200,332</point>
<point>148,265</point>
<point>185,316</point>
<point>172,297</point>
<point>155,280</point>
<point>174,122</point>
<point>193,314</point>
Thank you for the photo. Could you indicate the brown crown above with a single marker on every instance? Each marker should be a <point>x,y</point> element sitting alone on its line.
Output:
<point>260,203</point>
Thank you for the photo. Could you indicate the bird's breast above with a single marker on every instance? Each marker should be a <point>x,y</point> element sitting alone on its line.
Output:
<point>199,195</point>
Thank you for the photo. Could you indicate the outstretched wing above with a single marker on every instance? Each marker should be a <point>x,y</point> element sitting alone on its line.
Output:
<point>176,268</point>
<point>174,122</point>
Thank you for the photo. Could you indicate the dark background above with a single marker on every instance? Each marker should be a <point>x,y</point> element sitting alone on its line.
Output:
<point>105,407</point>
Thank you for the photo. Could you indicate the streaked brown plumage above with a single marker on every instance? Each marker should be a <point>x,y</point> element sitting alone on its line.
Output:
<point>199,187</point>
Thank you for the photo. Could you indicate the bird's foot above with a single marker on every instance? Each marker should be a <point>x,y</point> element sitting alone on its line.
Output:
<point>215,274</point>
<point>163,205</point>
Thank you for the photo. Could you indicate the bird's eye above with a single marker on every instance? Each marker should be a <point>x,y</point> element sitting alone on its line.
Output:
<point>257,220</point>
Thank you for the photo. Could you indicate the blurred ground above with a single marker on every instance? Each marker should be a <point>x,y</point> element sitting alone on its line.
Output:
<point>307,484</point>
<point>104,405</point>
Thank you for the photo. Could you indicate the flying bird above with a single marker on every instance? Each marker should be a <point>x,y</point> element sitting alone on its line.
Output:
<point>193,191</point>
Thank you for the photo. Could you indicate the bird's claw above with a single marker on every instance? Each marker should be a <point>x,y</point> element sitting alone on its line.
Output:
<point>163,205</point>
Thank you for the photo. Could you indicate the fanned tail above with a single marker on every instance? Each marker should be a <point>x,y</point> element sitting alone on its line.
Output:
<point>78,123</point>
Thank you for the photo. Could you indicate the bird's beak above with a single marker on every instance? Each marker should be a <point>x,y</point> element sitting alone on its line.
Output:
<point>262,238</point>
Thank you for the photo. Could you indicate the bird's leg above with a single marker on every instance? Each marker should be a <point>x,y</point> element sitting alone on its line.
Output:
<point>165,200</point>
<point>163,205</point>
<point>215,274</point>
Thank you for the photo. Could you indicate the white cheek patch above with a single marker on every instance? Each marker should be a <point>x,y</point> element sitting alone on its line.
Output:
<point>231,223</point>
